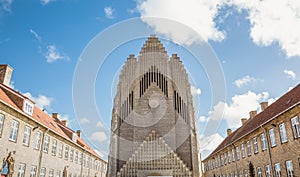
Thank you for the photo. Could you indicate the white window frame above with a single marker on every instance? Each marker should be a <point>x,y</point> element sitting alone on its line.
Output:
<point>54,147</point>
<point>76,157</point>
<point>243,150</point>
<point>1,124</point>
<point>272,137</point>
<point>259,173</point>
<point>33,171</point>
<point>60,150</point>
<point>37,140</point>
<point>233,155</point>
<point>225,158</point>
<point>246,173</point>
<point>283,134</point>
<point>277,170</point>
<point>57,174</point>
<point>229,157</point>
<point>21,170</point>
<point>263,141</point>
<point>71,155</point>
<point>46,143</point>
<point>13,133</point>
<point>66,152</point>
<point>28,107</point>
<point>51,173</point>
<point>268,171</point>
<point>255,145</point>
<point>295,126</point>
<point>43,172</point>
<point>248,148</point>
<point>289,168</point>
<point>237,149</point>
<point>26,137</point>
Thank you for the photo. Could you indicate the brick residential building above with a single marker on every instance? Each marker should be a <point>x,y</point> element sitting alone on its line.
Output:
<point>41,145</point>
<point>268,141</point>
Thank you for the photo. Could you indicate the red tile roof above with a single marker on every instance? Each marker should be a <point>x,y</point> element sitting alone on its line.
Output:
<point>43,118</point>
<point>285,102</point>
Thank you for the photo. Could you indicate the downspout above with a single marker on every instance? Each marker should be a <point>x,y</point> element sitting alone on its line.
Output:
<point>268,149</point>
<point>41,152</point>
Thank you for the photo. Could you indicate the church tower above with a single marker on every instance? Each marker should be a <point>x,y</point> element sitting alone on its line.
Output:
<point>153,127</point>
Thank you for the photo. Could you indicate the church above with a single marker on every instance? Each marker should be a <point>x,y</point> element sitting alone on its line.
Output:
<point>153,127</point>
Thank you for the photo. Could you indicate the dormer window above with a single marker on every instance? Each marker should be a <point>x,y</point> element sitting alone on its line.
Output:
<point>28,107</point>
<point>74,137</point>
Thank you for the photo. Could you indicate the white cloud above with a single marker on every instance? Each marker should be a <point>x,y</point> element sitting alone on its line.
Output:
<point>36,35</point>
<point>274,21</point>
<point>197,15</point>
<point>202,119</point>
<point>98,136</point>
<point>45,2</point>
<point>99,124</point>
<point>84,121</point>
<point>109,12</point>
<point>195,91</point>
<point>53,54</point>
<point>41,101</point>
<point>290,74</point>
<point>5,5</point>
<point>238,108</point>
<point>209,143</point>
<point>245,80</point>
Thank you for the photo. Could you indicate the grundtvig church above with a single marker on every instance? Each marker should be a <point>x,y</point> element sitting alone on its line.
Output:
<point>153,127</point>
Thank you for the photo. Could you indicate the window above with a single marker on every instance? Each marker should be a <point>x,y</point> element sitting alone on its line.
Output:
<point>259,174</point>
<point>80,158</point>
<point>46,144</point>
<point>37,140</point>
<point>60,150</point>
<point>267,170</point>
<point>21,171</point>
<point>57,173</point>
<point>1,123</point>
<point>229,155</point>
<point>255,145</point>
<point>225,158</point>
<point>66,152</point>
<point>76,157</point>
<point>43,172</point>
<point>33,171</point>
<point>71,155</point>
<point>28,107</point>
<point>263,141</point>
<point>283,133</point>
<point>241,173</point>
<point>237,149</point>
<point>295,125</point>
<point>243,150</point>
<point>248,148</point>
<point>74,137</point>
<point>54,145</point>
<point>277,170</point>
<point>246,173</point>
<point>272,137</point>
<point>233,155</point>
<point>51,173</point>
<point>289,168</point>
<point>26,137</point>
<point>13,130</point>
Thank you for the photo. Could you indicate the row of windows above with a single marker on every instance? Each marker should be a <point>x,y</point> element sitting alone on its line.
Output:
<point>64,151</point>
<point>43,172</point>
<point>267,168</point>
<point>245,149</point>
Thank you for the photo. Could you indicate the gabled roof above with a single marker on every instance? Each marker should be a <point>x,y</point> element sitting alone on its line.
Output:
<point>281,105</point>
<point>42,117</point>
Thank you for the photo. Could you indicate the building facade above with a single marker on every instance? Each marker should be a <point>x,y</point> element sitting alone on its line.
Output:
<point>153,128</point>
<point>267,144</point>
<point>40,145</point>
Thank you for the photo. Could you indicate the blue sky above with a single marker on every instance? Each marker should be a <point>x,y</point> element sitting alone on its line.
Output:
<point>257,48</point>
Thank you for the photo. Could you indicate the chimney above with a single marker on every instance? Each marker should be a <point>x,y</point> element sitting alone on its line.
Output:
<point>78,133</point>
<point>64,122</point>
<point>263,105</point>
<point>229,131</point>
<point>244,120</point>
<point>252,114</point>
<point>55,115</point>
<point>5,74</point>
